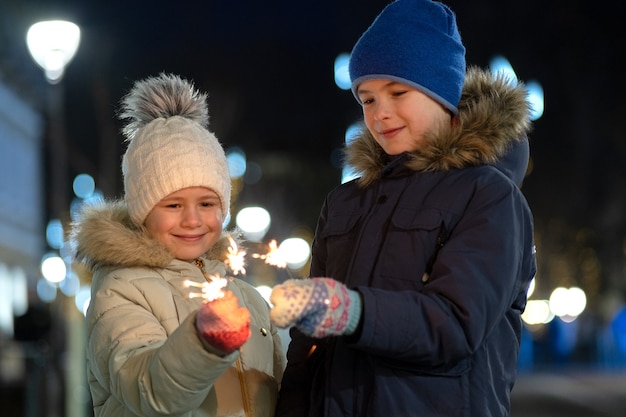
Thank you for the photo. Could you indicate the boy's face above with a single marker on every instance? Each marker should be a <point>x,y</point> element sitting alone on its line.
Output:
<point>398,115</point>
<point>188,222</point>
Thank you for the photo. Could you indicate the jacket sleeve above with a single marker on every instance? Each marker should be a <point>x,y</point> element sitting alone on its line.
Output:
<point>477,281</point>
<point>132,357</point>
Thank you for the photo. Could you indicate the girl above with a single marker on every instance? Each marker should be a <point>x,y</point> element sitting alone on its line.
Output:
<point>152,350</point>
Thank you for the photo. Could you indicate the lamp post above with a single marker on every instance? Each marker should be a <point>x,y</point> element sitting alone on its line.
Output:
<point>52,45</point>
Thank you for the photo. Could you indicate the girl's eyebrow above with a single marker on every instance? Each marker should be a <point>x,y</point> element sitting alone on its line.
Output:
<point>210,196</point>
<point>172,199</point>
<point>206,196</point>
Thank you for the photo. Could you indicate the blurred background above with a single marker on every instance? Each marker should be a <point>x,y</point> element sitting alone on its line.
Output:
<point>275,74</point>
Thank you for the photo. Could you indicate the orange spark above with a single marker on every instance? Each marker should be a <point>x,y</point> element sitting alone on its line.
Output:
<point>273,256</point>
<point>235,258</point>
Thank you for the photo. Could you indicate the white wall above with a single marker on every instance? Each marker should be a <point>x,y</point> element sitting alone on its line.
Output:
<point>22,234</point>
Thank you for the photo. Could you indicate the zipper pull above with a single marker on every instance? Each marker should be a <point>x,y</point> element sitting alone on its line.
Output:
<point>200,264</point>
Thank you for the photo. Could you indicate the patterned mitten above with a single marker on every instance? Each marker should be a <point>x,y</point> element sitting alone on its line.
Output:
<point>319,307</point>
<point>223,324</point>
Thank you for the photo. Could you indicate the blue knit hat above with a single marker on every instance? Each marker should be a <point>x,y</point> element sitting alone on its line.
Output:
<point>415,42</point>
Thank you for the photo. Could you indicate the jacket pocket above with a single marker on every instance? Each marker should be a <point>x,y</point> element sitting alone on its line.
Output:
<point>402,390</point>
<point>411,242</point>
<point>339,224</point>
<point>338,236</point>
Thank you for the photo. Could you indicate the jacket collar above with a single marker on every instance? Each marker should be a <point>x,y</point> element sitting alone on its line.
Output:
<point>106,236</point>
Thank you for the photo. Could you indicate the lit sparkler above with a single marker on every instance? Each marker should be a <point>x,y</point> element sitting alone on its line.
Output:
<point>235,261</point>
<point>235,258</point>
<point>211,290</point>
<point>273,257</point>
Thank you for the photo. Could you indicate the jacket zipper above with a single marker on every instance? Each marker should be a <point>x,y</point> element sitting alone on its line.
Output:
<point>242,383</point>
<point>200,264</point>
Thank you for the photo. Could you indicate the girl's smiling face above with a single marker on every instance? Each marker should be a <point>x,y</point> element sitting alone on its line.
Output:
<point>188,222</point>
<point>398,115</point>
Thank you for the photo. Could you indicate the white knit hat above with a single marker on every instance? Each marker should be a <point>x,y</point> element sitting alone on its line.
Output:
<point>169,146</point>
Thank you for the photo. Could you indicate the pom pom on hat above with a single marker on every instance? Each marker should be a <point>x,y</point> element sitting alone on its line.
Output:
<point>169,145</point>
<point>415,42</point>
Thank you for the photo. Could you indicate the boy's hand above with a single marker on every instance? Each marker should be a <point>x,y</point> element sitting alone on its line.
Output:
<point>319,307</point>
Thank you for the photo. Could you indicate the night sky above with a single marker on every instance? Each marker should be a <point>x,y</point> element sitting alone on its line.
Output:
<point>268,70</point>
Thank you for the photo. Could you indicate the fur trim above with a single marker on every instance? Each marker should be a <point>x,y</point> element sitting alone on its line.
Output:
<point>493,114</point>
<point>105,235</point>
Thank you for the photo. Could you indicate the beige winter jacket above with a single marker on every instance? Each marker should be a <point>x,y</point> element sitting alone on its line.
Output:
<point>144,357</point>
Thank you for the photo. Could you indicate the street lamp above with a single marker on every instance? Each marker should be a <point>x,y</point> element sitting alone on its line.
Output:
<point>53,44</point>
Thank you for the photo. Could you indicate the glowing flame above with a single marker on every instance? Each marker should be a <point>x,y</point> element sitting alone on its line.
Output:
<point>208,290</point>
<point>235,258</point>
<point>273,256</point>
<point>235,261</point>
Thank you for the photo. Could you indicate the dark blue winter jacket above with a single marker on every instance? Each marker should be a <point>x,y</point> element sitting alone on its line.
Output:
<point>440,246</point>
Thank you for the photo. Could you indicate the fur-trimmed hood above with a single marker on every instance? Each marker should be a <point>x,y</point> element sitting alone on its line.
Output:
<point>493,123</point>
<point>105,235</point>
